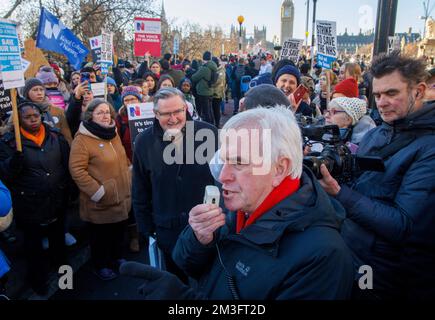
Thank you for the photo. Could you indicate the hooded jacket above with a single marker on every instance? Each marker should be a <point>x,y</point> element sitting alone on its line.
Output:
<point>293,251</point>
<point>164,194</point>
<point>390,221</point>
<point>202,77</point>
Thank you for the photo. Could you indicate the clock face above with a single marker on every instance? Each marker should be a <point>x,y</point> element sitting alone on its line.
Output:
<point>286,12</point>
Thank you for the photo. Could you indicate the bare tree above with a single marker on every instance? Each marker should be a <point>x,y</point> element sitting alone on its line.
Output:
<point>12,9</point>
<point>427,13</point>
<point>85,18</point>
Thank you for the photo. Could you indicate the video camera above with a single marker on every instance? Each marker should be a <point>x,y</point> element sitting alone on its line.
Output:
<point>336,156</point>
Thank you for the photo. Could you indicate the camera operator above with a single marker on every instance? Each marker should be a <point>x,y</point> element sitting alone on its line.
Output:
<point>349,115</point>
<point>390,223</point>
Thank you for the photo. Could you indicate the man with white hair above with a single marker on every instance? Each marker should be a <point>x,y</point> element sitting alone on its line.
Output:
<point>281,240</point>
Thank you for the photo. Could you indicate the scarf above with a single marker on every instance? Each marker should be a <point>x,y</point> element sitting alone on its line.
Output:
<point>38,138</point>
<point>287,187</point>
<point>99,131</point>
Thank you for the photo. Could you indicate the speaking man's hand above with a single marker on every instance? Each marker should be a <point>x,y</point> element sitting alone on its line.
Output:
<point>205,219</point>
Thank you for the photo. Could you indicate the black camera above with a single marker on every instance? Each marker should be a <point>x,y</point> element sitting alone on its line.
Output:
<point>336,156</point>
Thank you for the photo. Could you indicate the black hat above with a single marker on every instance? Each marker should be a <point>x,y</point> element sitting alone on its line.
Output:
<point>30,83</point>
<point>206,56</point>
<point>265,95</point>
<point>27,103</point>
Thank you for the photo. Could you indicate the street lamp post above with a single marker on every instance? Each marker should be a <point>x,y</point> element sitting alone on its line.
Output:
<point>240,19</point>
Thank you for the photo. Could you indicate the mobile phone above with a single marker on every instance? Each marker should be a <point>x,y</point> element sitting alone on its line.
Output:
<point>211,195</point>
<point>300,93</point>
<point>86,76</point>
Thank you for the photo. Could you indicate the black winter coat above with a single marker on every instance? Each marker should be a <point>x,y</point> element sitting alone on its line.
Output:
<point>40,189</point>
<point>164,194</point>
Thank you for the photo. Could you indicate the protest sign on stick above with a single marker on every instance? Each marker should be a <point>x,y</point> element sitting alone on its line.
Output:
<point>11,68</point>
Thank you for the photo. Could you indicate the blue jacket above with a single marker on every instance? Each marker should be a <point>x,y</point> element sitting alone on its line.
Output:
<point>390,221</point>
<point>5,200</point>
<point>5,207</point>
<point>164,194</point>
<point>293,251</point>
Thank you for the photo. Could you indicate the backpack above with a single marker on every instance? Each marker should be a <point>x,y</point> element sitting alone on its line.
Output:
<point>239,72</point>
<point>244,83</point>
<point>213,78</point>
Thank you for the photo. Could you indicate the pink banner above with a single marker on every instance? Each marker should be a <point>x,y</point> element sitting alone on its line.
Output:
<point>147,37</point>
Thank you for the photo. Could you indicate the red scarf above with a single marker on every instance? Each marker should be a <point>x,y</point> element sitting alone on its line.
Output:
<point>287,187</point>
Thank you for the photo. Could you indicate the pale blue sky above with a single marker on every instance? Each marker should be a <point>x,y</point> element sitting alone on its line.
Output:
<point>353,14</point>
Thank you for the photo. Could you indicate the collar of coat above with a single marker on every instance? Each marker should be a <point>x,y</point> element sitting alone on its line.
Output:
<point>82,130</point>
<point>309,206</point>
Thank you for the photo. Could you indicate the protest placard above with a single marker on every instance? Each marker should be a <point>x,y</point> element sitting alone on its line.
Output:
<point>140,117</point>
<point>393,43</point>
<point>10,55</point>
<point>98,89</point>
<point>147,36</point>
<point>106,47</point>
<point>95,44</point>
<point>291,50</point>
<point>5,101</point>
<point>326,43</point>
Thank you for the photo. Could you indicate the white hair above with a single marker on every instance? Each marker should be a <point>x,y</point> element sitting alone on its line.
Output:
<point>286,137</point>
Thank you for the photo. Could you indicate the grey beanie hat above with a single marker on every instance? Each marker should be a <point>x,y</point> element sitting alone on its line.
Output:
<point>265,95</point>
<point>92,106</point>
<point>30,83</point>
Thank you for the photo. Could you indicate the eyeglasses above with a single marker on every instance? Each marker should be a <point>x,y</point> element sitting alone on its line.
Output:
<point>333,112</point>
<point>102,113</point>
<point>170,114</point>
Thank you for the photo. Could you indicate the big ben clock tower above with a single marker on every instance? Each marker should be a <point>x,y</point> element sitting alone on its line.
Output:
<point>287,18</point>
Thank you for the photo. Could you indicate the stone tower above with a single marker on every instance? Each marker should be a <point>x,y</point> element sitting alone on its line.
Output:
<point>260,34</point>
<point>287,19</point>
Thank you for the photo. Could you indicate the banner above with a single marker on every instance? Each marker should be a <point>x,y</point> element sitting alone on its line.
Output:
<point>10,55</point>
<point>95,45</point>
<point>291,49</point>
<point>326,43</point>
<point>5,101</point>
<point>140,117</point>
<point>54,36</point>
<point>147,37</point>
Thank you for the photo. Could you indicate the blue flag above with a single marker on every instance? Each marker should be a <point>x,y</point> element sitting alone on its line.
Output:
<point>54,36</point>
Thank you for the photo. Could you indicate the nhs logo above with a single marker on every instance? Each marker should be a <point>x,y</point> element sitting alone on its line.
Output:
<point>52,30</point>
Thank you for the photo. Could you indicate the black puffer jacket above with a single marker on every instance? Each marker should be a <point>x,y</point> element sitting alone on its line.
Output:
<point>293,251</point>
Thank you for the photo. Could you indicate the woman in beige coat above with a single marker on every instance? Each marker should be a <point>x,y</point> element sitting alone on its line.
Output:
<point>101,170</point>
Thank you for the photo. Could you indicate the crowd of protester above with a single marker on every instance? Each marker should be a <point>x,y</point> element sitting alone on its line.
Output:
<point>310,236</point>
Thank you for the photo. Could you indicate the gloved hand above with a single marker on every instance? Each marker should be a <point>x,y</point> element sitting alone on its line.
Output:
<point>159,285</point>
<point>16,162</point>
